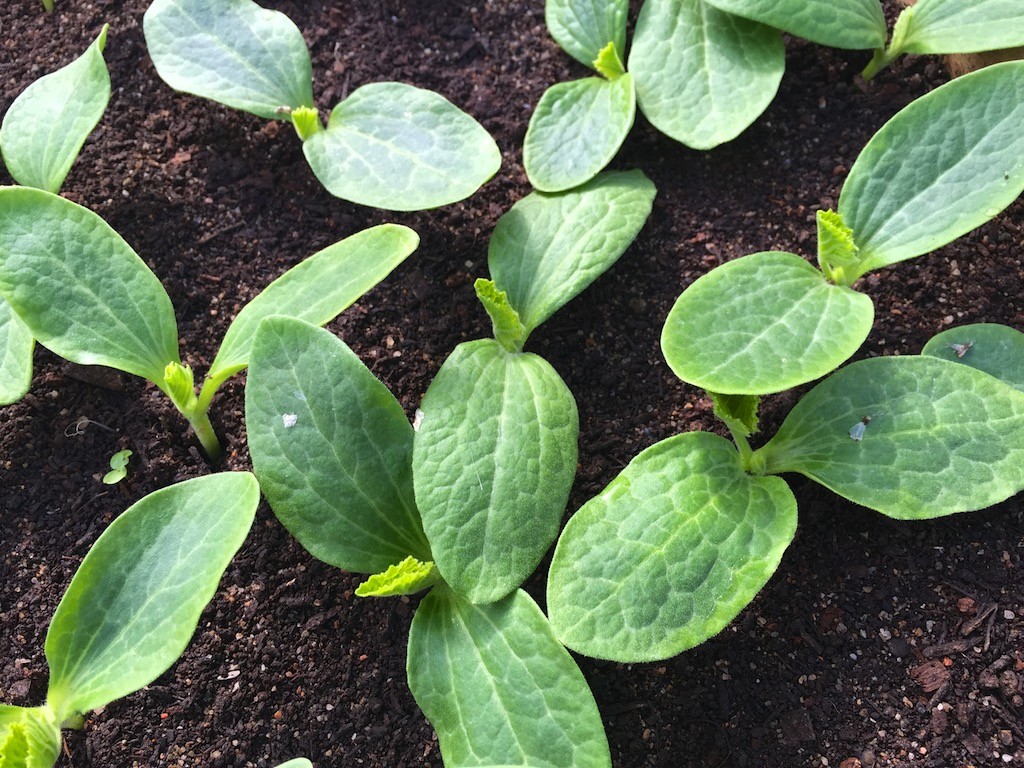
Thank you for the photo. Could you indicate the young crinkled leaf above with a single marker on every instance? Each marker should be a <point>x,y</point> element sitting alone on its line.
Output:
<point>135,601</point>
<point>854,24</point>
<point>80,288</point>
<point>493,462</point>
<point>46,126</point>
<point>401,148</point>
<point>547,248</point>
<point>332,449</point>
<point>944,165</point>
<point>702,76</point>
<point>231,51</point>
<point>955,26</point>
<point>936,437</point>
<point>761,324</point>
<point>498,687</point>
<point>669,553</point>
<point>995,349</point>
<point>16,346</point>
<point>29,737</point>
<point>405,578</point>
<point>584,27</point>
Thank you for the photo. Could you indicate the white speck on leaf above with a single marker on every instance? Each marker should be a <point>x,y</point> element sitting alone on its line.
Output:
<point>289,420</point>
<point>417,420</point>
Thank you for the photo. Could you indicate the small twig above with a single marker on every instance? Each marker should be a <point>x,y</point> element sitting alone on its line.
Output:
<point>943,649</point>
<point>979,618</point>
<point>988,628</point>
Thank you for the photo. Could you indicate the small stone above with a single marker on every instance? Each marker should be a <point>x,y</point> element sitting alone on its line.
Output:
<point>1009,683</point>
<point>899,647</point>
<point>966,605</point>
<point>885,634</point>
<point>1009,615</point>
<point>1007,758</point>
<point>851,762</point>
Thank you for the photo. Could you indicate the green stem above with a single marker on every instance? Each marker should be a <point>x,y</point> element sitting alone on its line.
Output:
<point>743,445</point>
<point>881,60</point>
<point>200,422</point>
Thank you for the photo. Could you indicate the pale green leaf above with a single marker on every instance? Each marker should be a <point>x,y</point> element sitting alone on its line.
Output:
<point>299,762</point>
<point>702,76</point>
<point>499,688</point>
<point>837,251</point>
<point>231,51</point>
<point>669,553</point>
<point>80,288</point>
<point>401,148</point>
<point>16,346</point>
<point>318,289</point>
<point>332,449</point>
<point>584,27</point>
<point>937,437</point>
<point>739,412</point>
<point>509,330</point>
<point>956,26</point>
<point>994,349</point>
<point>761,324</point>
<point>493,462</point>
<point>944,165</point>
<point>135,601</point>
<point>29,737</point>
<point>405,578</point>
<point>855,24</point>
<point>548,248</point>
<point>576,130</point>
<point>46,126</point>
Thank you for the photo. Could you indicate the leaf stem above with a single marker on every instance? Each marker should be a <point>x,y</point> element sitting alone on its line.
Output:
<point>201,425</point>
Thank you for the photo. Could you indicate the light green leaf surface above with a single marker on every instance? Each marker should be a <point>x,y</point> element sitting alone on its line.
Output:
<point>405,578</point>
<point>493,462</point>
<point>499,688</point>
<point>16,347</point>
<point>669,553</point>
<point>318,289</point>
<point>761,324</point>
<point>702,76</point>
<point>299,762</point>
<point>584,27</point>
<point>332,449</point>
<point>995,349</point>
<point>135,601</point>
<point>80,288</point>
<point>46,126</point>
<point>576,130</point>
<point>944,165</point>
<point>401,148</point>
<point>942,437</point>
<point>548,248</point>
<point>509,330</point>
<point>855,24</point>
<point>29,737</point>
<point>955,26</point>
<point>231,51</point>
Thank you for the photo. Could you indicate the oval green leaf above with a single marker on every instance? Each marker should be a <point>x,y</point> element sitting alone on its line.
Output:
<point>944,165</point>
<point>401,148</point>
<point>934,437</point>
<point>499,688</point>
<point>576,130</point>
<point>669,553</point>
<point>80,288</point>
<point>46,126</point>
<point>548,248</point>
<point>493,462</point>
<point>231,51</point>
<point>703,76</point>
<point>332,449</point>
<point>853,24</point>
<point>584,27</point>
<point>953,26</point>
<point>16,347</point>
<point>762,324</point>
<point>995,349</point>
<point>135,601</point>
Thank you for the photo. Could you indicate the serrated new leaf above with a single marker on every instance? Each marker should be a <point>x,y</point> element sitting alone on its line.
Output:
<point>739,412</point>
<point>837,251</point>
<point>509,330</point>
<point>994,349</point>
<point>584,27</point>
<point>29,737</point>
<point>854,24</point>
<point>405,578</point>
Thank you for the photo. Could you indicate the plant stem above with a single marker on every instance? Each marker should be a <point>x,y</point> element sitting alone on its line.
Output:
<point>743,445</point>
<point>200,422</point>
<point>881,60</point>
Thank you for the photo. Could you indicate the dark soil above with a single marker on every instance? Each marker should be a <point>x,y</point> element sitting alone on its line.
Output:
<point>889,644</point>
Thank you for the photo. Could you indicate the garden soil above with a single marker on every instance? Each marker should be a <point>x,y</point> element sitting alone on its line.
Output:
<point>875,644</point>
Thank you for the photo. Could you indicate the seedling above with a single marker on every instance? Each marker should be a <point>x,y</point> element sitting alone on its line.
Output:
<point>84,294</point>
<point>388,145</point>
<point>132,607</point>
<point>118,468</point>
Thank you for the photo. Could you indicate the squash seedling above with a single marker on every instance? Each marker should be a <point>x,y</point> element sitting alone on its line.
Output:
<point>87,296</point>
<point>132,607</point>
<point>118,468</point>
<point>387,145</point>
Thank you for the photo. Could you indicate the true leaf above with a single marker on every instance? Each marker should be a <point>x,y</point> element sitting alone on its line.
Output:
<point>953,26</point>
<point>739,412</point>
<point>938,437</point>
<point>994,349</point>
<point>46,126</point>
<point>135,601</point>
<point>493,462</point>
<point>16,346</point>
<point>499,688</point>
<point>509,330</point>
<point>29,737</point>
<point>761,324</point>
<point>944,165</point>
<point>855,24</point>
<point>332,449</point>
<point>405,578</point>
<point>584,27</point>
<point>401,148</point>
<point>547,248</point>
<point>80,288</point>
<point>702,76</point>
<point>669,553</point>
<point>231,51</point>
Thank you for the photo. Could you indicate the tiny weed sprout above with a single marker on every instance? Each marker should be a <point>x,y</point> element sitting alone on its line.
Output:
<point>84,293</point>
<point>118,468</point>
<point>132,607</point>
<point>387,145</point>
